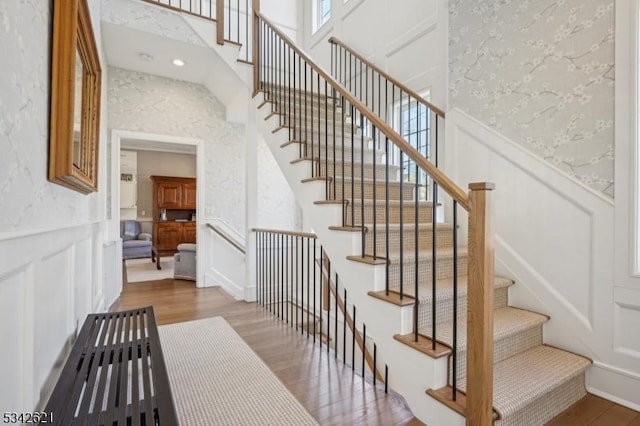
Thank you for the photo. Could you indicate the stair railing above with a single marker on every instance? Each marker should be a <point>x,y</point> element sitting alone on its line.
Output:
<point>419,121</point>
<point>352,150</point>
<point>295,282</point>
<point>202,8</point>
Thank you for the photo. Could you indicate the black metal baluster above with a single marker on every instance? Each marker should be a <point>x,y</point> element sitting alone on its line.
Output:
<point>281,93</point>
<point>327,183</point>
<point>303,115</point>
<point>246,27</point>
<point>258,266</point>
<point>386,378</point>
<point>334,106</point>
<point>455,301</point>
<point>271,272</point>
<point>353,191</point>
<point>416,300</point>
<point>282,271</point>
<point>314,290</point>
<point>302,272</point>
<point>328,302</point>
<point>289,300</point>
<point>374,151</point>
<point>321,289</point>
<point>362,182</point>
<point>342,195</point>
<point>375,363</point>
<point>297,277</point>
<point>354,330</point>
<point>364,345</point>
<point>433,265</point>
<point>335,323</point>
<point>319,164</point>
<point>308,282</point>
<point>344,328</point>
<point>289,124</point>
<point>402,208</point>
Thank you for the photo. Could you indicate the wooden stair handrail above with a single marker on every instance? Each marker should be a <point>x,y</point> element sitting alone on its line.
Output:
<point>437,175</point>
<point>227,238</point>
<point>292,233</point>
<point>432,107</point>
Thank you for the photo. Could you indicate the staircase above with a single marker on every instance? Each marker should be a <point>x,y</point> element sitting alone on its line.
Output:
<point>390,220</point>
<point>330,135</point>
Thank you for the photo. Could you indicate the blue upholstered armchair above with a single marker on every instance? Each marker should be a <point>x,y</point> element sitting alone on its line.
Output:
<point>135,244</point>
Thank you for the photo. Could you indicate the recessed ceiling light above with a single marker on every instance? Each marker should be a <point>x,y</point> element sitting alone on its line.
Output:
<point>178,62</point>
<point>145,56</point>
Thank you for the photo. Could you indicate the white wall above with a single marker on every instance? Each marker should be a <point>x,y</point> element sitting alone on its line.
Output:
<point>409,42</point>
<point>51,238</point>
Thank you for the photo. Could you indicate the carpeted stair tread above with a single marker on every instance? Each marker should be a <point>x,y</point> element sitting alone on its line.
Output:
<point>409,226</point>
<point>445,288</point>
<point>524,378</point>
<point>507,322</point>
<point>425,255</point>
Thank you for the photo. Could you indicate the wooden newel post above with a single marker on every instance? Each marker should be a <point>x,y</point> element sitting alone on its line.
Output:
<point>220,21</point>
<point>256,47</point>
<point>480,307</point>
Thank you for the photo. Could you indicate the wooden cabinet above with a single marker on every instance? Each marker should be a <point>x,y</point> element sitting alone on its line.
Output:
<point>168,235</point>
<point>189,232</point>
<point>189,195</point>
<point>169,195</point>
<point>177,198</point>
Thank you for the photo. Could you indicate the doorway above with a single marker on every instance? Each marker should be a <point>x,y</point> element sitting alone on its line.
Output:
<point>136,158</point>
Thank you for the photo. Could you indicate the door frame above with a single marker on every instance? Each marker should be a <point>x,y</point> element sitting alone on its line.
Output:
<point>117,136</point>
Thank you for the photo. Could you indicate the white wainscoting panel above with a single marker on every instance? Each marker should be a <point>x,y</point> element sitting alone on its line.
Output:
<point>47,280</point>
<point>554,237</point>
<point>12,298</point>
<point>627,319</point>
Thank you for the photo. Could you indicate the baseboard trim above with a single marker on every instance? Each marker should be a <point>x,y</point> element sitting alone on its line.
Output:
<point>614,384</point>
<point>216,279</point>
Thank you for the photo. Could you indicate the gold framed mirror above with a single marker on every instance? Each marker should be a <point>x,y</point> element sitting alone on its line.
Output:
<point>75,98</point>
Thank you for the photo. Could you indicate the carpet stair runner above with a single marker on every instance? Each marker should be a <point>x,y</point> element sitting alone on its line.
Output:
<point>533,382</point>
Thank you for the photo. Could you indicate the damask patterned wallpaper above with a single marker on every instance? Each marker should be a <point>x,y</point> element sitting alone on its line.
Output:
<point>151,104</point>
<point>541,73</point>
<point>29,201</point>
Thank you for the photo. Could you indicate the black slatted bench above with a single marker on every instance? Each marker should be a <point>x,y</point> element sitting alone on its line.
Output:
<point>115,374</point>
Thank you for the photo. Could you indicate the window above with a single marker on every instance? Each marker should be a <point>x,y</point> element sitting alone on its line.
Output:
<point>413,123</point>
<point>321,13</point>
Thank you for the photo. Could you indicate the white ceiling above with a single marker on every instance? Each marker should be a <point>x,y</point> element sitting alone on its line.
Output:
<point>124,47</point>
<point>131,49</point>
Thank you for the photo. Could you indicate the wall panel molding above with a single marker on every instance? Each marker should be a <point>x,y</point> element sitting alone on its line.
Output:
<point>565,268</point>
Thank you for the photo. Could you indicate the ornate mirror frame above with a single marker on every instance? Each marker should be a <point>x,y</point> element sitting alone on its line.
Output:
<point>73,151</point>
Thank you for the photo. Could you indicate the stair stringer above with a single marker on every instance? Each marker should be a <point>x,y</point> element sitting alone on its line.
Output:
<point>410,371</point>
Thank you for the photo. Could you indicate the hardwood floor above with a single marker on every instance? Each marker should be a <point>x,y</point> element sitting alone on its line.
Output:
<point>595,411</point>
<point>329,391</point>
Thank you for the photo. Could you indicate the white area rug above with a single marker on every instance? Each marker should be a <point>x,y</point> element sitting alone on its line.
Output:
<point>216,379</point>
<point>145,270</point>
